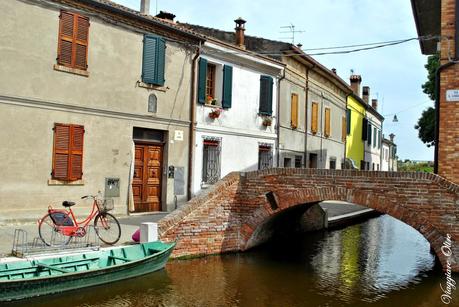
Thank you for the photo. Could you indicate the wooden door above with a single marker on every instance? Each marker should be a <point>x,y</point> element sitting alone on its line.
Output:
<point>146,184</point>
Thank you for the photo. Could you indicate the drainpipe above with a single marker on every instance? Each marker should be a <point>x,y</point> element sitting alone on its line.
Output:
<point>306,120</point>
<point>437,111</point>
<point>278,117</point>
<point>192,135</point>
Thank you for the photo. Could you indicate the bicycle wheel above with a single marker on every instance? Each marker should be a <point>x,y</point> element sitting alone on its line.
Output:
<point>50,234</point>
<point>107,228</point>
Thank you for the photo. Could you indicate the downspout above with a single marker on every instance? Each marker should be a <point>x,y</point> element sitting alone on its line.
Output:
<point>437,111</point>
<point>306,120</point>
<point>278,117</point>
<point>192,135</point>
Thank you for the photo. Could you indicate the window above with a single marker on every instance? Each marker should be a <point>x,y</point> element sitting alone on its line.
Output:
<point>327,128</point>
<point>369,134</point>
<point>298,160</point>
<point>332,163</point>
<point>312,160</point>
<point>265,156</point>
<point>210,81</point>
<point>72,50</point>
<point>215,84</point>
<point>348,121</point>
<point>373,166</point>
<point>211,161</point>
<point>375,137</point>
<point>287,162</point>
<point>68,152</point>
<point>294,111</point>
<point>314,117</point>
<point>364,129</point>
<point>154,58</point>
<point>266,95</point>
<point>379,139</point>
<point>343,129</point>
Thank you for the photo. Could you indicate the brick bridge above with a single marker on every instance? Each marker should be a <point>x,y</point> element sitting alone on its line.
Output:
<point>231,215</point>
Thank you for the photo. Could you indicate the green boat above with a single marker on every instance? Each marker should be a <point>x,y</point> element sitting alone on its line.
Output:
<point>25,279</point>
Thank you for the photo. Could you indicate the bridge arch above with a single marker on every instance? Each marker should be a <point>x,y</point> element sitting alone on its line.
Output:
<point>228,216</point>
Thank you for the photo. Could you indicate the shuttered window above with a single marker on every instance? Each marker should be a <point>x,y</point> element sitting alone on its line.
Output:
<point>202,79</point>
<point>364,129</point>
<point>72,48</point>
<point>294,111</point>
<point>68,152</point>
<point>266,95</point>
<point>369,134</point>
<point>379,139</point>
<point>154,58</point>
<point>314,117</point>
<point>348,121</point>
<point>343,129</point>
<point>327,128</point>
<point>227,86</point>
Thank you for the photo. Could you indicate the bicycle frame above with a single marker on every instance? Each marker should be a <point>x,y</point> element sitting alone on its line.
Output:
<point>79,228</point>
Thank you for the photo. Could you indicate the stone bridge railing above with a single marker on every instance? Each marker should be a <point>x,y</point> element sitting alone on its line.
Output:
<point>226,217</point>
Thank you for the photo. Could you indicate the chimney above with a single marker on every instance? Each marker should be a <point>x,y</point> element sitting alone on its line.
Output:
<point>240,28</point>
<point>145,7</point>
<point>366,94</point>
<point>334,70</point>
<point>374,103</point>
<point>355,84</point>
<point>392,136</point>
<point>166,16</point>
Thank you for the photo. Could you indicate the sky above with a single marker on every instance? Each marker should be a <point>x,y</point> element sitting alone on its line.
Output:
<point>394,74</point>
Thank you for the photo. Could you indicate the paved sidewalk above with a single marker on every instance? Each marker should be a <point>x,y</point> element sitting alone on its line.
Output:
<point>129,224</point>
<point>342,213</point>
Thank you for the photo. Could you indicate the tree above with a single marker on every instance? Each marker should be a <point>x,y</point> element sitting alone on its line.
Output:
<point>426,123</point>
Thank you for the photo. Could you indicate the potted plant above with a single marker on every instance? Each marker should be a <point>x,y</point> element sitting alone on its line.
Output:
<point>211,100</point>
<point>267,121</point>
<point>215,113</point>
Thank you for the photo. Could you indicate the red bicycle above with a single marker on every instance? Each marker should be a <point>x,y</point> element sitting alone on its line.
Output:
<point>59,226</point>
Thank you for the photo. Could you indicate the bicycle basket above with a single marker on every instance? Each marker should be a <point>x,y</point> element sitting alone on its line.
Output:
<point>106,205</point>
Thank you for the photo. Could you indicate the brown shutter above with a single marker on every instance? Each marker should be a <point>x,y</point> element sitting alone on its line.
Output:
<point>294,111</point>
<point>76,154</point>
<point>327,122</point>
<point>314,117</point>
<point>68,152</point>
<point>73,40</point>
<point>343,128</point>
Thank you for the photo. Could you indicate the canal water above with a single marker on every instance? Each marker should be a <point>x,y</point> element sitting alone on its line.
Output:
<point>381,262</point>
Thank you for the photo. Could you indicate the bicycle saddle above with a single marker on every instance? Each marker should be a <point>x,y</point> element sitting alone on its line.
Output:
<point>67,203</point>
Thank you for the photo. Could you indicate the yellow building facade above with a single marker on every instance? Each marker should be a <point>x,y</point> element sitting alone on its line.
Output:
<point>355,149</point>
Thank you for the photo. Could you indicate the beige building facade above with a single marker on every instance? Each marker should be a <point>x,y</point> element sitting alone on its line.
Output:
<point>123,135</point>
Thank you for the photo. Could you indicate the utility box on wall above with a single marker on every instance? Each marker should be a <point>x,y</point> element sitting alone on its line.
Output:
<point>179,181</point>
<point>112,187</point>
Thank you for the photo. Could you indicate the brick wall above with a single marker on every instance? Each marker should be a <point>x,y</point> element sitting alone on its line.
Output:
<point>228,216</point>
<point>448,152</point>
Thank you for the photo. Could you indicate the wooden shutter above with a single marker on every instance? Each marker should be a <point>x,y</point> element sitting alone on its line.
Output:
<point>202,78</point>
<point>379,139</point>
<point>227,86</point>
<point>73,40</point>
<point>266,95</point>
<point>327,127</point>
<point>314,117</point>
<point>348,121</point>
<point>154,57</point>
<point>68,152</point>
<point>294,111</point>
<point>369,135</point>
<point>364,129</point>
<point>343,128</point>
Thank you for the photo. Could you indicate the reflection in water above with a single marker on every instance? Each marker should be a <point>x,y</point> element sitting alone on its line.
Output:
<point>381,262</point>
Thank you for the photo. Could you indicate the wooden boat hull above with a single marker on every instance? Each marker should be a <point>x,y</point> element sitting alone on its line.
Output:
<point>26,288</point>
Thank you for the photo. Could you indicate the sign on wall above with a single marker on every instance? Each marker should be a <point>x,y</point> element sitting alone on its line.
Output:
<point>452,95</point>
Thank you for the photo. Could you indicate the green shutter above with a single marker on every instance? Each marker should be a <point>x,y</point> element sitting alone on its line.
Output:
<point>154,58</point>
<point>202,78</point>
<point>266,95</point>
<point>348,121</point>
<point>379,139</point>
<point>364,129</point>
<point>227,86</point>
<point>369,135</point>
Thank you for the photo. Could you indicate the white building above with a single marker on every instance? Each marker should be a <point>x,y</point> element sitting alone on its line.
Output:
<point>388,154</point>
<point>373,128</point>
<point>236,112</point>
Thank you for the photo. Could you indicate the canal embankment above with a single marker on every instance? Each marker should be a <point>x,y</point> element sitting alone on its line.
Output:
<point>337,214</point>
